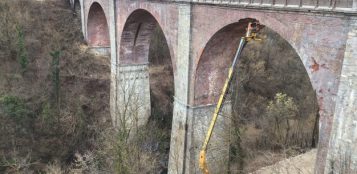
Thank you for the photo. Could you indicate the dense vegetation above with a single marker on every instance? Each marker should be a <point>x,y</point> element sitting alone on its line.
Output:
<point>54,98</point>
<point>275,112</point>
<point>49,100</point>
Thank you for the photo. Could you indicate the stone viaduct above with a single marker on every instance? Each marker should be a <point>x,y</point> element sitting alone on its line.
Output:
<point>322,32</point>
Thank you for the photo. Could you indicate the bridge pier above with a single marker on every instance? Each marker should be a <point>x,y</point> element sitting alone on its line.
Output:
<point>179,134</point>
<point>133,96</point>
<point>180,130</point>
<point>343,150</point>
<point>188,134</point>
<point>113,56</point>
<point>218,148</point>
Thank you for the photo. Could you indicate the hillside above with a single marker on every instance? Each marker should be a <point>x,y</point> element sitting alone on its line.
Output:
<point>45,128</point>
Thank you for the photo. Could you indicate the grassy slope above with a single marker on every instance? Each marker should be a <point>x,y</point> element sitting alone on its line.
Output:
<point>84,81</point>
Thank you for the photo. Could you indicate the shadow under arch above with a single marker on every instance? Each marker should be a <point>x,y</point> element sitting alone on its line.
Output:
<point>136,36</point>
<point>214,61</point>
<point>97,27</point>
<point>270,58</point>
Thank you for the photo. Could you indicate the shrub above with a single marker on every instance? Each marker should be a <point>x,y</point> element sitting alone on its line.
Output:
<point>15,108</point>
<point>21,49</point>
<point>279,119</point>
<point>13,14</point>
<point>16,164</point>
<point>55,70</point>
<point>120,153</point>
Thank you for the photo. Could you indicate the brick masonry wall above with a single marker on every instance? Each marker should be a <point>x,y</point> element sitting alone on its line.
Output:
<point>98,28</point>
<point>319,40</point>
<point>164,14</point>
<point>86,7</point>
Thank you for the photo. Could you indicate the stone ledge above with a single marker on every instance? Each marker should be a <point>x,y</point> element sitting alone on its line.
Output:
<point>279,7</point>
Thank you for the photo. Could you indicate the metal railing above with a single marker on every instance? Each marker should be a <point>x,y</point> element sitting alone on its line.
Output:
<point>349,6</point>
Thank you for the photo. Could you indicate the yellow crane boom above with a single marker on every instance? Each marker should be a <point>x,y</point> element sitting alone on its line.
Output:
<point>252,29</point>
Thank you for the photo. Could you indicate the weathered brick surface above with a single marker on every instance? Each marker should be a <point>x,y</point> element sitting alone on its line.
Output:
<point>319,40</point>
<point>164,14</point>
<point>86,7</point>
<point>343,144</point>
<point>315,38</point>
<point>97,27</point>
<point>103,3</point>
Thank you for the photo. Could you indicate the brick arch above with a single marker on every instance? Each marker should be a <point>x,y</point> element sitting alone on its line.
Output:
<point>215,59</point>
<point>136,35</point>
<point>283,28</point>
<point>97,27</point>
<point>213,62</point>
<point>318,40</point>
<point>87,4</point>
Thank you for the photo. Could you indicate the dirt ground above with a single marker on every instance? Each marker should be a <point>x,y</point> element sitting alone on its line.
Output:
<point>301,164</point>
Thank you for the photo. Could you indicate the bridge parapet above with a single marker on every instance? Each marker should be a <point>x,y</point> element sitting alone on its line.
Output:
<point>332,6</point>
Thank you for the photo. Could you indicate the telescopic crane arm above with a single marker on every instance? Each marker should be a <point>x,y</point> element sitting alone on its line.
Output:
<point>252,29</point>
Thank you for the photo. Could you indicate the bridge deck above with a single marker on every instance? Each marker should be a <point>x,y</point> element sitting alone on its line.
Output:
<point>345,6</point>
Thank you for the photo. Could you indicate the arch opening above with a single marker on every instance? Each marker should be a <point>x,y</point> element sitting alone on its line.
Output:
<point>274,107</point>
<point>97,27</point>
<point>143,43</point>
